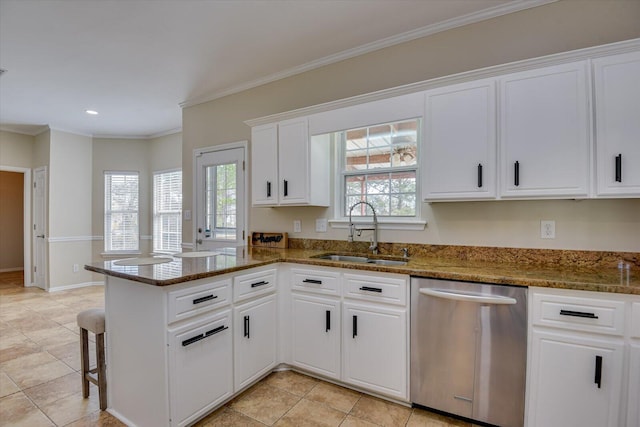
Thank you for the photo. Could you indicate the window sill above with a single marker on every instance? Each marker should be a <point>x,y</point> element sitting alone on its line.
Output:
<point>120,254</point>
<point>383,224</point>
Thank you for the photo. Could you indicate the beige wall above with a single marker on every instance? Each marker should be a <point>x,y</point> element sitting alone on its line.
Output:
<point>557,27</point>
<point>11,221</point>
<point>16,149</point>
<point>165,152</point>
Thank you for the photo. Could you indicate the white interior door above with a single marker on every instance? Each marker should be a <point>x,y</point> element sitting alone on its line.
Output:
<point>40,228</point>
<point>220,198</point>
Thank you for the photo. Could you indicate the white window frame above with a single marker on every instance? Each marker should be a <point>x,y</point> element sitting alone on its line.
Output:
<point>108,213</point>
<point>341,219</point>
<point>157,216</point>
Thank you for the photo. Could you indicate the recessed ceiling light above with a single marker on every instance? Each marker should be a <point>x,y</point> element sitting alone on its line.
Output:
<point>91,112</point>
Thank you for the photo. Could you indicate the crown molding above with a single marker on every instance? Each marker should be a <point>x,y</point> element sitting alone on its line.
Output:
<point>488,72</point>
<point>471,18</point>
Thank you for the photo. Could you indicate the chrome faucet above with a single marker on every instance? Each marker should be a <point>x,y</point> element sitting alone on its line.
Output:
<point>352,227</point>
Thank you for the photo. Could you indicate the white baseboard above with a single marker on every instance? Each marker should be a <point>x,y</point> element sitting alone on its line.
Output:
<point>74,286</point>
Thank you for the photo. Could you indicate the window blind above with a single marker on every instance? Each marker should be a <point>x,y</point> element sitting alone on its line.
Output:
<point>121,215</point>
<point>167,211</point>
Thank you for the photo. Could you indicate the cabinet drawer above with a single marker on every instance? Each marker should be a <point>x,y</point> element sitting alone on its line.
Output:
<point>316,281</point>
<point>392,290</point>
<point>635,320</point>
<point>250,285</point>
<point>589,314</point>
<point>198,299</point>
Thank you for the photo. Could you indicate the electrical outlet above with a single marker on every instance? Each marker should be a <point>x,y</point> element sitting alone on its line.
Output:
<point>76,268</point>
<point>297,226</point>
<point>548,229</point>
<point>187,215</point>
<point>321,225</point>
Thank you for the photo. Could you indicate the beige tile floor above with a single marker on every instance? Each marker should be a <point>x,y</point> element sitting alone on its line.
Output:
<point>40,380</point>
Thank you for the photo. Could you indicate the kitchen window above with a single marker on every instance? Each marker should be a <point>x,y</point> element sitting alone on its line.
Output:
<point>167,211</point>
<point>379,165</point>
<point>121,212</point>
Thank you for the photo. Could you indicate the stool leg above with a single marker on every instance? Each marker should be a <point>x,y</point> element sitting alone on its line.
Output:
<point>84,360</point>
<point>102,378</point>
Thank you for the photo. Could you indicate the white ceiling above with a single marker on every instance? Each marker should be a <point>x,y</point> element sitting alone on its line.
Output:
<point>137,61</point>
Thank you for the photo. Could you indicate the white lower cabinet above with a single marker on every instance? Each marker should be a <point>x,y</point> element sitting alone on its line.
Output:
<point>375,348</point>
<point>200,367</point>
<point>575,381</point>
<point>633,398</point>
<point>255,340</point>
<point>316,334</point>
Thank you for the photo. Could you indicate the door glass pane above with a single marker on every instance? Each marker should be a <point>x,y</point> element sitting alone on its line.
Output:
<point>220,194</point>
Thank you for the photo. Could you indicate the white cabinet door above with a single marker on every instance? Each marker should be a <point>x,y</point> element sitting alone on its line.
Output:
<point>375,348</point>
<point>293,158</point>
<point>574,381</point>
<point>544,132</point>
<point>200,367</point>
<point>617,112</point>
<point>633,398</point>
<point>264,165</point>
<point>315,340</point>
<point>460,142</point>
<point>255,340</point>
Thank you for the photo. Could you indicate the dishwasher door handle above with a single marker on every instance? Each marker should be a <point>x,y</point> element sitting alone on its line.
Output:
<point>482,299</point>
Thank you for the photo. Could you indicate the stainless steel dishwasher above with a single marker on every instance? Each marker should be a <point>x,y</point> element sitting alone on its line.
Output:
<point>469,349</point>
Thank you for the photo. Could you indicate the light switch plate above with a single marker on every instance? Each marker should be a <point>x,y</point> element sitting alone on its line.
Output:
<point>187,215</point>
<point>321,225</point>
<point>297,226</point>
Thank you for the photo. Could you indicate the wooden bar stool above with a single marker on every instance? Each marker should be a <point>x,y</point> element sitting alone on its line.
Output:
<point>93,320</point>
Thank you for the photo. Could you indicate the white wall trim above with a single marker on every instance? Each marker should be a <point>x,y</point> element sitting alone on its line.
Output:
<point>186,245</point>
<point>74,239</point>
<point>488,72</point>
<point>74,286</point>
<point>493,12</point>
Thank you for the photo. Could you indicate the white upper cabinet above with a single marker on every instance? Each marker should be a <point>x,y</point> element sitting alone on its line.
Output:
<point>288,166</point>
<point>264,165</point>
<point>617,113</point>
<point>544,132</point>
<point>459,160</point>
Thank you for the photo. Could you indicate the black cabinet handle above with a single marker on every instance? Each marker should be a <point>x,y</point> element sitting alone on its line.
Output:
<point>516,173</point>
<point>314,281</point>
<point>479,175</point>
<point>598,376</point>
<point>286,188</point>
<point>370,289</point>
<point>619,168</point>
<point>205,298</point>
<point>578,314</point>
<point>262,283</point>
<point>327,323</point>
<point>355,326</point>
<point>203,336</point>
<point>246,326</point>
<point>268,188</point>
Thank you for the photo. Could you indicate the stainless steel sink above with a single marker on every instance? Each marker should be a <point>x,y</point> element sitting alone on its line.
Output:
<point>360,259</point>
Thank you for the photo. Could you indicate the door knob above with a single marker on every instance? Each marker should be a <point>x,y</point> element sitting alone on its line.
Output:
<point>41,236</point>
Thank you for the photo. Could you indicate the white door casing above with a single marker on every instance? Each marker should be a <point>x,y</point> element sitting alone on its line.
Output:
<point>220,197</point>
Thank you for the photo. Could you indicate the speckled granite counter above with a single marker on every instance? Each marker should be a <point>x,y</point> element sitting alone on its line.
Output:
<point>579,270</point>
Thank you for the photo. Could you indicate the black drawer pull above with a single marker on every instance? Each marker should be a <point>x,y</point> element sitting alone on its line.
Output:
<point>598,376</point>
<point>370,289</point>
<point>246,327</point>
<point>479,175</point>
<point>268,188</point>
<point>205,298</point>
<point>203,336</point>
<point>578,314</point>
<point>516,173</point>
<point>355,326</point>
<point>255,285</point>
<point>286,188</point>
<point>314,281</point>
<point>327,323</point>
<point>619,168</point>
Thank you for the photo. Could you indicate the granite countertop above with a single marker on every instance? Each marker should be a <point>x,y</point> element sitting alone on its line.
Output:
<point>579,276</point>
